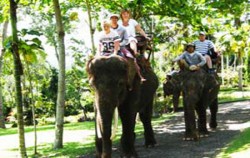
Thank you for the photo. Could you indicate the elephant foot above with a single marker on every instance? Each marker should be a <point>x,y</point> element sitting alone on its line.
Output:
<point>191,137</point>
<point>151,145</point>
<point>129,155</point>
<point>204,134</point>
<point>150,141</point>
<point>213,125</point>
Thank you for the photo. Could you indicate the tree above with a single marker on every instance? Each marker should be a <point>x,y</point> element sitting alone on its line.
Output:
<point>61,78</point>
<point>4,34</point>
<point>17,74</point>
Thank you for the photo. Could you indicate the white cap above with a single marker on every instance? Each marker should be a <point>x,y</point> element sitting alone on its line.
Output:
<point>114,15</point>
<point>202,33</point>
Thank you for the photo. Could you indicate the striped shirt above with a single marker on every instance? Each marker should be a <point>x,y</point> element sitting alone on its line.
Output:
<point>203,47</point>
<point>194,58</point>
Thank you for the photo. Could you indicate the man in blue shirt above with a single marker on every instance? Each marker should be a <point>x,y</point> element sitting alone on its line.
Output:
<point>191,59</point>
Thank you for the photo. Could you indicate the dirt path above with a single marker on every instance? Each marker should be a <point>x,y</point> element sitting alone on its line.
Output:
<point>232,118</point>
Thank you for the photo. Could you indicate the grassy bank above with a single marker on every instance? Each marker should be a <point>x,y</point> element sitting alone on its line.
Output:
<point>239,147</point>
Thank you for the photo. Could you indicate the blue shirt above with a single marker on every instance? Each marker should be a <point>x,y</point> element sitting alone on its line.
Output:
<point>194,58</point>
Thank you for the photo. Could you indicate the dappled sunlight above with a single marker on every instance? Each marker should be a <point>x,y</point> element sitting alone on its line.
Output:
<point>244,152</point>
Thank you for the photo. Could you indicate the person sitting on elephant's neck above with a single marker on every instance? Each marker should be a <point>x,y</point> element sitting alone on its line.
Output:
<point>124,41</point>
<point>204,47</point>
<point>191,59</point>
<point>109,41</point>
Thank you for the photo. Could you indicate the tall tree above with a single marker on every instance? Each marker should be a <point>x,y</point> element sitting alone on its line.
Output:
<point>18,71</point>
<point>4,34</point>
<point>91,28</point>
<point>61,78</point>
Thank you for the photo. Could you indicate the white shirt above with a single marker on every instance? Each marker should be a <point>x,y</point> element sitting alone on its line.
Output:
<point>107,40</point>
<point>130,27</point>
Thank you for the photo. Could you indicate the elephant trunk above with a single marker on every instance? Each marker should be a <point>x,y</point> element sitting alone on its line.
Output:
<point>104,115</point>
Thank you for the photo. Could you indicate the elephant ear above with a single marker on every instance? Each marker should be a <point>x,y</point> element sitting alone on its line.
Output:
<point>89,68</point>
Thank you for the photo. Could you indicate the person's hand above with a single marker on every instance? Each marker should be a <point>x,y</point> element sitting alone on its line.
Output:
<point>193,67</point>
<point>148,38</point>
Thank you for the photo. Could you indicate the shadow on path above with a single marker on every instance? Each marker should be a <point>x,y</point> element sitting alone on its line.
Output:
<point>232,118</point>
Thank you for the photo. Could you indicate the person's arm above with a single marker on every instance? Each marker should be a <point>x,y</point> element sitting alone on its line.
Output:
<point>117,40</point>
<point>140,30</point>
<point>202,60</point>
<point>179,57</point>
<point>116,46</point>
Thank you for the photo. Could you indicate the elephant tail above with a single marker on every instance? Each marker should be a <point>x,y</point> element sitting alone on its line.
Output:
<point>114,130</point>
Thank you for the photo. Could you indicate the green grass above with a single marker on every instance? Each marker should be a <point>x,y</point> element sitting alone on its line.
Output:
<point>238,146</point>
<point>69,150</point>
<point>233,94</point>
<point>74,149</point>
<point>69,126</point>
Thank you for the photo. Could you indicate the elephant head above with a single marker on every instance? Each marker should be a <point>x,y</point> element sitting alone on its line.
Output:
<point>109,77</point>
<point>172,86</point>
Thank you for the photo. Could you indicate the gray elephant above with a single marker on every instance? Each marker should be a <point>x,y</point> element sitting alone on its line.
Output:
<point>110,77</point>
<point>200,90</point>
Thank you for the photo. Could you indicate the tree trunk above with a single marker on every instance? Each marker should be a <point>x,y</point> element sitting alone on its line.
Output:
<point>33,108</point>
<point>61,78</point>
<point>222,70</point>
<point>4,35</point>
<point>18,71</point>
<point>240,85</point>
<point>92,30</point>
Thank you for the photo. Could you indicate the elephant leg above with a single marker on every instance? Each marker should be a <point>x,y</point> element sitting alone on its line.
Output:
<point>176,101</point>
<point>146,116</point>
<point>202,119</point>
<point>190,124</point>
<point>128,135</point>
<point>98,144</point>
<point>213,110</point>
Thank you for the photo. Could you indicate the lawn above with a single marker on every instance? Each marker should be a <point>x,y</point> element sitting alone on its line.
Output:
<point>233,94</point>
<point>73,148</point>
<point>239,147</point>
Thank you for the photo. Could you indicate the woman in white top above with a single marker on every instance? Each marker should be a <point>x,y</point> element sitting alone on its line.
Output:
<point>132,26</point>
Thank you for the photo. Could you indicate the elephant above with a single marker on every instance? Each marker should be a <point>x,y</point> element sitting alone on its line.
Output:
<point>110,77</point>
<point>174,90</point>
<point>200,90</point>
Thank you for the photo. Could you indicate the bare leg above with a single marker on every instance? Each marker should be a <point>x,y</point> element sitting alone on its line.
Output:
<point>133,46</point>
<point>139,72</point>
<point>209,61</point>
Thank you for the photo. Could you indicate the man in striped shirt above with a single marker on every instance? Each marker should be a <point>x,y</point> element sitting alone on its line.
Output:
<point>204,47</point>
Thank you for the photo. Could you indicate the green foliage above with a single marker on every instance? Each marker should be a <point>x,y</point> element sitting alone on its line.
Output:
<point>239,144</point>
